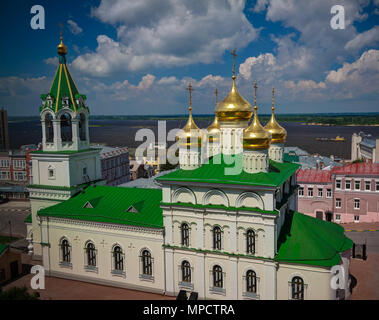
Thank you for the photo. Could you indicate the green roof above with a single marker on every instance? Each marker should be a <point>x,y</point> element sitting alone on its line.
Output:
<point>110,205</point>
<point>3,247</point>
<point>62,85</point>
<point>64,151</point>
<point>215,172</point>
<point>290,157</point>
<point>28,219</point>
<point>307,240</point>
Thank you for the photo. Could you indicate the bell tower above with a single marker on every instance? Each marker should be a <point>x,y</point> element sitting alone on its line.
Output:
<point>66,164</point>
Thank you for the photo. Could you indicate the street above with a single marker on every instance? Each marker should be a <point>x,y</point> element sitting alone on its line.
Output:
<point>16,212</point>
<point>371,238</point>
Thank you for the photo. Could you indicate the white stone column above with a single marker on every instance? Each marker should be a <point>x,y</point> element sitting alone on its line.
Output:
<point>255,161</point>
<point>233,279</point>
<point>57,135</point>
<point>269,281</point>
<point>276,152</point>
<point>169,271</point>
<point>200,274</point>
<point>43,134</point>
<point>75,134</point>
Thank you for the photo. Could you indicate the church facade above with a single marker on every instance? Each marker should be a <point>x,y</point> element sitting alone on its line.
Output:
<point>224,225</point>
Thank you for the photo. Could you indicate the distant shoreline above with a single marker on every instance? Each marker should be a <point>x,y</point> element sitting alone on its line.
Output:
<point>335,125</point>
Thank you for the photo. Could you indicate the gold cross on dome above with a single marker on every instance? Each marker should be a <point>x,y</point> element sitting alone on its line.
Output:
<point>233,53</point>
<point>190,89</point>
<point>273,93</point>
<point>255,92</point>
<point>216,93</point>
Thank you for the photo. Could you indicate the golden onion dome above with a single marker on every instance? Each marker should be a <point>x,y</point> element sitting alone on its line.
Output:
<point>255,137</point>
<point>278,133</point>
<point>214,131</point>
<point>61,48</point>
<point>191,134</point>
<point>234,107</point>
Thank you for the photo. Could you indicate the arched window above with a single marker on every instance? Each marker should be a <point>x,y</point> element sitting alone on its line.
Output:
<point>147,266</point>
<point>49,129</point>
<point>118,258</point>
<point>251,281</point>
<point>217,277</point>
<point>66,251</point>
<point>91,254</point>
<point>66,127</point>
<point>185,234</point>
<point>186,271</point>
<point>217,238</point>
<point>297,286</point>
<point>82,127</point>
<point>250,241</point>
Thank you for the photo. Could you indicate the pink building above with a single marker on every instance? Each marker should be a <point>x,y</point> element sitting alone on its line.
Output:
<point>356,193</point>
<point>315,195</point>
<point>343,194</point>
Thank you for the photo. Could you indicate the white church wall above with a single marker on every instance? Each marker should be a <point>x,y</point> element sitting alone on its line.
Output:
<point>132,240</point>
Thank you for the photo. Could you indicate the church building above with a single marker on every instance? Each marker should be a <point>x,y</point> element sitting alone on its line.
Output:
<point>224,224</point>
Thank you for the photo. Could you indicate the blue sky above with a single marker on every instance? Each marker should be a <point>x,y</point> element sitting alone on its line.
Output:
<point>137,57</point>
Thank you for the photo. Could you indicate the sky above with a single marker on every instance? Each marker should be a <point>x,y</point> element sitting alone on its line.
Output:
<point>137,57</point>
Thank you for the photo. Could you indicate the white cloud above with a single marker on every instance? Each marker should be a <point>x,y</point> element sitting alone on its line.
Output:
<point>52,61</point>
<point>74,28</point>
<point>265,62</point>
<point>364,39</point>
<point>173,33</point>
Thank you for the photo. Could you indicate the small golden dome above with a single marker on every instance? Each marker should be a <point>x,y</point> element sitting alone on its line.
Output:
<point>278,133</point>
<point>187,138</point>
<point>214,131</point>
<point>255,137</point>
<point>234,107</point>
<point>61,48</point>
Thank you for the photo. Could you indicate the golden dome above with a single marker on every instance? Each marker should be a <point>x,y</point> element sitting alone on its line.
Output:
<point>187,138</point>
<point>255,137</point>
<point>234,107</point>
<point>278,133</point>
<point>61,48</point>
<point>214,131</point>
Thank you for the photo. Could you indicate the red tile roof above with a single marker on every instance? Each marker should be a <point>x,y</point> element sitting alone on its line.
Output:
<point>314,176</point>
<point>358,169</point>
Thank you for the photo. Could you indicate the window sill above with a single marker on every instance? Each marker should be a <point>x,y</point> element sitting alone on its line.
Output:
<point>217,290</point>
<point>118,273</point>
<point>186,285</point>
<point>91,269</point>
<point>146,277</point>
<point>64,264</point>
<point>251,295</point>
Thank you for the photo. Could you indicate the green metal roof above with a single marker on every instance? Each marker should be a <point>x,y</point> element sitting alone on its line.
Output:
<point>290,157</point>
<point>28,219</point>
<point>3,247</point>
<point>307,240</point>
<point>110,205</point>
<point>62,85</point>
<point>215,172</point>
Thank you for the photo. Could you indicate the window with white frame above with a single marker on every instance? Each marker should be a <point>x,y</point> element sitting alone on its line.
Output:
<point>19,176</point>
<point>357,204</point>
<point>19,164</point>
<point>356,218</point>
<point>328,193</point>
<point>4,163</point>
<point>347,184</point>
<point>338,203</point>
<point>310,192</point>
<point>5,175</point>
<point>217,238</point>
<point>301,192</point>
<point>338,217</point>
<point>357,185</point>
<point>319,192</point>
<point>367,185</point>
<point>338,183</point>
